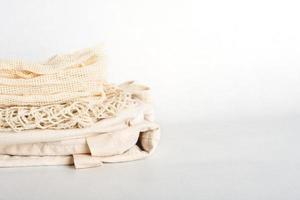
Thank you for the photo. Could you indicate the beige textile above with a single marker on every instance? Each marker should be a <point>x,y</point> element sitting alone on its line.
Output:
<point>63,112</point>
<point>129,136</point>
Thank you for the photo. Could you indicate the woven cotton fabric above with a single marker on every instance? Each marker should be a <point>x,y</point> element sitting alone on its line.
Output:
<point>64,107</point>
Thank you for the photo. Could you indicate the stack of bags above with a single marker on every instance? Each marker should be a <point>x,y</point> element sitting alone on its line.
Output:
<point>64,112</point>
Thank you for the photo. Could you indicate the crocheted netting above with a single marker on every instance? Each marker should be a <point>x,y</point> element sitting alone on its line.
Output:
<point>72,114</point>
<point>67,91</point>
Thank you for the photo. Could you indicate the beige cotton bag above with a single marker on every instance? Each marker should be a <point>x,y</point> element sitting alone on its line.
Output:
<point>63,112</point>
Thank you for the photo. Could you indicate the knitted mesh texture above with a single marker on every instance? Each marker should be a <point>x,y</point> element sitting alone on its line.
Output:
<point>67,91</point>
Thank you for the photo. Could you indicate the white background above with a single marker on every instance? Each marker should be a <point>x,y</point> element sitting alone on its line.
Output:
<point>225,77</point>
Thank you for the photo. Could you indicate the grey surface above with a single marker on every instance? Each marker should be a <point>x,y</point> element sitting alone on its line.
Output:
<point>245,159</point>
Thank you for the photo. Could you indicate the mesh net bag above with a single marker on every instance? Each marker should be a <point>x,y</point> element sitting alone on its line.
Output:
<point>67,91</point>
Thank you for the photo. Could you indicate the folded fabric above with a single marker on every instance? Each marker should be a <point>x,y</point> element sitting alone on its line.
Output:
<point>64,112</point>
